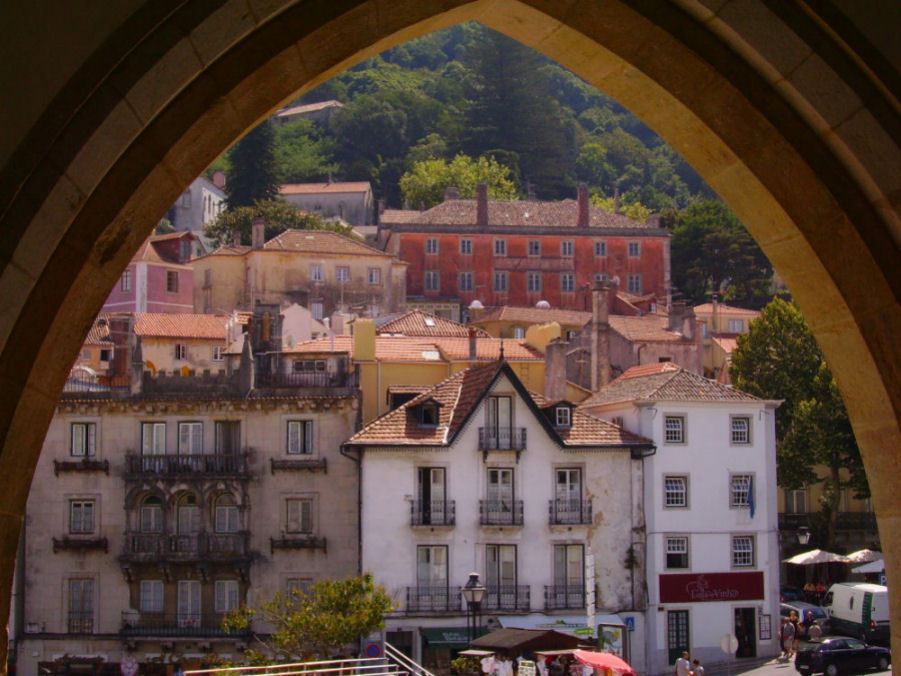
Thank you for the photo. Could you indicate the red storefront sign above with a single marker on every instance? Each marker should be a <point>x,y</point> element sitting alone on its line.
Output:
<point>701,587</point>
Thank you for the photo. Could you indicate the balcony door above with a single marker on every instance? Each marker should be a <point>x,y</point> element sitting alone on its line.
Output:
<point>431,577</point>
<point>188,603</point>
<point>500,493</point>
<point>569,569</point>
<point>568,495</point>
<point>228,437</point>
<point>500,576</point>
<point>432,494</point>
<point>500,422</point>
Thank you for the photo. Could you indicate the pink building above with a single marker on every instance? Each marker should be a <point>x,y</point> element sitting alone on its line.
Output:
<point>158,279</point>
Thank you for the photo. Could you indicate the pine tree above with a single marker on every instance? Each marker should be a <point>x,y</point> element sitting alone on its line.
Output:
<point>254,173</point>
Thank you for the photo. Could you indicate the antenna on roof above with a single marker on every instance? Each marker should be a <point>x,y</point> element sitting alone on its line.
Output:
<point>502,350</point>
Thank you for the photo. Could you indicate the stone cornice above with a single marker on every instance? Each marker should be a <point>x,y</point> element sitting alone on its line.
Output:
<point>197,406</point>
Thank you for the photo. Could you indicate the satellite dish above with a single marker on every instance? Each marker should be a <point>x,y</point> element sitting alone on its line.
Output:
<point>543,305</point>
<point>476,305</point>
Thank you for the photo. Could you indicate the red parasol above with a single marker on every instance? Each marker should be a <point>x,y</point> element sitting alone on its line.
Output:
<point>604,661</point>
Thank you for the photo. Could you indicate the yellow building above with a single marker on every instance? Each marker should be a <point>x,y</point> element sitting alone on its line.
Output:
<point>181,343</point>
<point>320,270</point>
<point>720,324</point>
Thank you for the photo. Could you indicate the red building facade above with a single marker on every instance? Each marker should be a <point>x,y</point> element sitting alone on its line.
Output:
<point>522,252</point>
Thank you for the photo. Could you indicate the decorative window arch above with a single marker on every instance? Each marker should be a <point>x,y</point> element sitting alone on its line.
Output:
<point>226,515</point>
<point>188,514</point>
<point>150,515</point>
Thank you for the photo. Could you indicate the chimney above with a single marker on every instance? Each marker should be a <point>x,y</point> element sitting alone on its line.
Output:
<point>236,238</point>
<point>555,370</point>
<point>715,315</point>
<point>584,218</point>
<point>382,205</point>
<point>219,179</point>
<point>676,315</point>
<point>246,375</point>
<point>689,323</point>
<point>482,205</point>
<point>451,193</point>
<point>653,221</point>
<point>616,200</point>
<point>600,336</point>
<point>258,233</point>
<point>473,352</point>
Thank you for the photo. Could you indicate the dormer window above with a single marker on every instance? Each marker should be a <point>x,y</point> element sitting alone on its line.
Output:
<point>428,414</point>
<point>563,416</point>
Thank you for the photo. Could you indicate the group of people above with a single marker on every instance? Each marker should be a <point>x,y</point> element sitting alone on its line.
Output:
<point>793,628</point>
<point>685,666</point>
<point>814,592</point>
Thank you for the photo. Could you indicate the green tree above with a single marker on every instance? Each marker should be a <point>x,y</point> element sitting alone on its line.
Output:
<point>320,621</point>
<point>712,251</point>
<point>424,185</point>
<point>633,209</point>
<point>779,359</point>
<point>164,227</point>
<point>301,154</point>
<point>254,174</point>
<point>279,216</point>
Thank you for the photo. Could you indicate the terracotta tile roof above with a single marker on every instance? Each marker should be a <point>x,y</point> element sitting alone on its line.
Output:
<point>324,188</point>
<point>707,309</point>
<point>408,389</point>
<point>523,213</point>
<point>419,323</point>
<point>664,382</point>
<point>149,253</point>
<point>99,333</point>
<point>646,328</point>
<point>308,108</point>
<point>458,397</point>
<point>727,342</point>
<point>157,325</point>
<point>535,315</point>
<point>320,242</point>
<point>414,348</point>
<point>229,250</point>
<point>389,216</point>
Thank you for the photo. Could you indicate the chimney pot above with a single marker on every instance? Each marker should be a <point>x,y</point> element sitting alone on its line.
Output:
<point>219,179</point>
<point>451,193</point>
<point>584,217</point>
<point>258,232</point>
<point>482,205</point>
<point>473,352</point>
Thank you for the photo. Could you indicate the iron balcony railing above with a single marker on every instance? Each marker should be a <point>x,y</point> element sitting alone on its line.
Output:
<point>175,624</point>
<point>433,513</point>
<point>502,438</point>
<point>433,599</point>
<point>844,521</point>
<point>186,547</point>
<point>564,597</point>
<point>302,379</point>
<point>507,597</point>
<point>81,622</point>
<point>500,512</point>
<point>186,466</point>
<point>569,512</point>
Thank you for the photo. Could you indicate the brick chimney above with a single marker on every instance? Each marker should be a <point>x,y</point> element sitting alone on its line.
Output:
<point>583,218</point>
<point>473,350</point>
<point>258,233</point>
<point>482,205</point>
<point>600,336</point>
<point>451,193</point>
<point>219,179</point>
<point>555,370</point>
<point>676,316</point>
<point>715,314</point>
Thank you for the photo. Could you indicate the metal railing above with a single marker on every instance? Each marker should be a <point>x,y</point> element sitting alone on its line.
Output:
<point>502,438</point>
<point>844,521</point>
<point>322,379</point>
<point>564,597</point>
<point>173,547</point>
<point>433,599</point>
<point>404,662</point>
<point>176,624</point>
<point>569,512</point>
<point>433,513</point>
<point>367,666</point>
<point>81,622</point>
<point>500,512</point>
<point>185,466</point>
<point>507,597</point>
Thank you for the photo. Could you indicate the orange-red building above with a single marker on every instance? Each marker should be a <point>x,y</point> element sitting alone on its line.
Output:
<point>522,252</point>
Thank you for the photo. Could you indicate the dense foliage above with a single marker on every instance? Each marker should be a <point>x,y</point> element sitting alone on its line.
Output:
<point>424,185</point>
<point>235,225</point>
<point>779,359</point>
<point>253,176</point>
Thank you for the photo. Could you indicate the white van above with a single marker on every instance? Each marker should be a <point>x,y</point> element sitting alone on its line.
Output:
<point>858,609</point>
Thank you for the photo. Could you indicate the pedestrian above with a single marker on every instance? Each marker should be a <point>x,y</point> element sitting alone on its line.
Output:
<point>787,636</point>
<point>696,668</point>
<point>810,592</point>
<point>821,592</point>
<point>683,666</point>
<point>798,628</point>
<point>814,631</point>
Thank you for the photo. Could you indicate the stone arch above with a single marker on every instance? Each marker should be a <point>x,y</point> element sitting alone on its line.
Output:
<point>788,110</point>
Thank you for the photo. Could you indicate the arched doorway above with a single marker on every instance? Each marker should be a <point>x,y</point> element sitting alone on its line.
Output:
<point>787,110</point>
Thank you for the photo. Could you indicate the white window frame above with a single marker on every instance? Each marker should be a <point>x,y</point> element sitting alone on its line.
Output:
<point>790,497</point>
<point>83,444</point>
<point>736,326</point>
<point>600,248</point>
<point>190,437</point>
<point>634,248</point>
<point>466,282</point>
<point>155,443</point>
<point>563,416</point>
<point>741,484</point>
<point>673,434</point>
<point>500,248</point>
<point>501,276</point>
<point>567,248</point>
<point>533,281</point>
<point>300,439</point>
<point>181,352</point>
<point>743,551</point>
<point>125,282</point>
<point>466,247</point>
<point>342,273</point>
<point>316,273</point>
<point>226,596</point>
<point>375,276</point>
<point>432,280</point>
<point>226,517</point>
<point>635,283</point>
<point>151,597</point>
<point>600,277</point>
<point>567,281</point>
<point>153,522</point>
<point>534,248</point>
<point>218,352</point>
<point>669,547</point>
<point>667,491</point>
<point>82,516</point>
<point>431,246</point>
<point>737,436</point>
<point>170,276</point>
<point>299,515</point>
<point>317,310</point>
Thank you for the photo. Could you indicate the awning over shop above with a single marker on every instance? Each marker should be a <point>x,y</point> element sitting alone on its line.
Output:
<point>568,624</point>
<point>512,642</point>
<point>454,638</point>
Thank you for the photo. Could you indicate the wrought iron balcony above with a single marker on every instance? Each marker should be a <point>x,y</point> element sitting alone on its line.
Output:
<point>81,622</point>
<point>507,597</point>
<point>433,513</point>
<point>176,625</point>
<point>190,547</point>
<point>502,438</point>
<point>80,544</point>
<point>434,599</point>
<point>307,379</point>
<point>298,542</point>
<point>569,512</point>
<point>500,512</point>
<point>201,466</point>
<point>83,465</point>
<point>564,597</point>
<point>794,521</point>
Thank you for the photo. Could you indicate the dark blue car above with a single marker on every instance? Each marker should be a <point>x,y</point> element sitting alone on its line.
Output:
<point>840,654</point>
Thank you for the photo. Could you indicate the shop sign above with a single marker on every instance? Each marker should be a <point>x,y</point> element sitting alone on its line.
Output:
<point>707,587</point>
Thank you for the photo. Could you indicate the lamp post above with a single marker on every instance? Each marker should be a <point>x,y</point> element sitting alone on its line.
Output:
<point>473,593</point>
<point>803,536</point>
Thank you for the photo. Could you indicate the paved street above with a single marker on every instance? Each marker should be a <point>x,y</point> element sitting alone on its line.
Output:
<point>774,668</point>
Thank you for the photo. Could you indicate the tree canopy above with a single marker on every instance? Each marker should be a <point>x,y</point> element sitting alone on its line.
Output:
<point>279,216</point>
<point>254,175</point>
<point>424,185</point>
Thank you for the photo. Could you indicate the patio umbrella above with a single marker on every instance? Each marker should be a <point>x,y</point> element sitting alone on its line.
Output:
<point>872,567</point>
<point>604,661</point>
<point>864,556</point>
<point>815,556</point>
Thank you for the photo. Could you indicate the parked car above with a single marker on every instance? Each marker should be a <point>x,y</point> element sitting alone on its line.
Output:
<point>859,609</point>
<point>788,593</point>
<point>837,654</point>
<point>804,610</point>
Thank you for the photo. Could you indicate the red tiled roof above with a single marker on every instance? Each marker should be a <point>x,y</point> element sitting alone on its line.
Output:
<point>664,382</point>
<point>419,323</point>
<point>646,328</point>
<point>148,252</point>
<point>320,242</point>
<point>99,333</point>
<point>229,250</point>
<point>389,216</point>
<point>727,342</point>
<point>523,212</point>
<point>707,309</point>
<point>416,348</point>
<point>458,397</point>
<point>535,315</point>
<point>157,325</point>
<point>324,188</point>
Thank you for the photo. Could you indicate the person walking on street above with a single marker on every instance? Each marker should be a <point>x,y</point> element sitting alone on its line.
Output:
<point>696,668</point>
<point>787,635</point>
<point>798,628</point>
<point>683,666</point>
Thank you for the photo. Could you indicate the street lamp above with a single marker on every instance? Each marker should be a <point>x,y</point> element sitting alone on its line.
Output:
<point>803,536</point>
<point>473,593</point>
